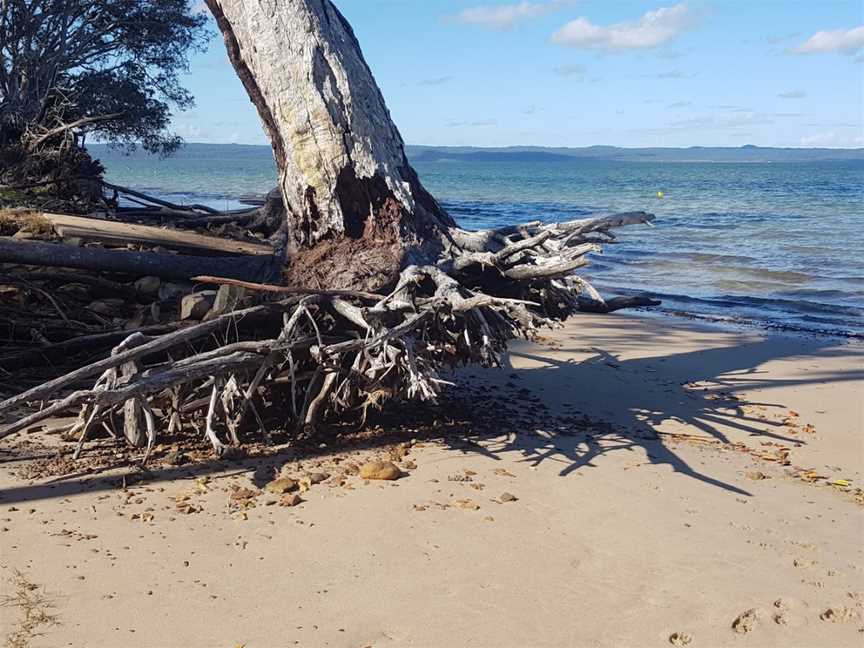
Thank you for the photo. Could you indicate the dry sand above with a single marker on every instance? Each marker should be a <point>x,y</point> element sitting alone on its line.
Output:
<point>695,496</point>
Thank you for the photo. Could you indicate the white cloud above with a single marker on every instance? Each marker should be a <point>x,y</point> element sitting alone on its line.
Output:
<point>793,94</point>
<point>507,16</point>
<point>651,30</point>
<point>847,41</point>
<point>832,139</point>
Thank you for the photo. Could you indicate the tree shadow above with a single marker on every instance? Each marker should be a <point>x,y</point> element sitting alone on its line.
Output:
<point>570,405</point>
<point>700,392</point>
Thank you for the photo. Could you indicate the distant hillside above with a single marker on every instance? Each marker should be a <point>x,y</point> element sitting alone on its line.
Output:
<point>527,153</point>
<point>747,153</point>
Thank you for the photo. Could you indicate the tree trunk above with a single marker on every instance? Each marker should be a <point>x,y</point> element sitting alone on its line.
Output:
<point>355,207</point>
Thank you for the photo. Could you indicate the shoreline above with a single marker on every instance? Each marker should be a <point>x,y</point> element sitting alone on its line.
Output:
<point>744,324</point>
<point>625,481</point>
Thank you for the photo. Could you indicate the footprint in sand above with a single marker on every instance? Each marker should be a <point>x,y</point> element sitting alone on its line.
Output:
<point>839,615</point>
<point>680,639</point>
<point>746,621</point>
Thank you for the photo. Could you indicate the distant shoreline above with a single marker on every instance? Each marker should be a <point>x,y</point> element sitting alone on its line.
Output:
<point>693,154</point>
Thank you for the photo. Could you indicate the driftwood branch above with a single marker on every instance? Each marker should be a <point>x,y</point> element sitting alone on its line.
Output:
<point>139,264</point>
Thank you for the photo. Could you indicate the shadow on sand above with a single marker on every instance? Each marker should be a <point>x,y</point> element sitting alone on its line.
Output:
<point>557,409</point>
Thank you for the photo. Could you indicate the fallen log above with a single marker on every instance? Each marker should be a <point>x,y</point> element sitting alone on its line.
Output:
<point>256,267</point>
<point>105,231</point>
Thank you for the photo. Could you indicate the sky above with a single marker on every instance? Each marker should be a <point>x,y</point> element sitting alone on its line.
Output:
<point>575,73</point>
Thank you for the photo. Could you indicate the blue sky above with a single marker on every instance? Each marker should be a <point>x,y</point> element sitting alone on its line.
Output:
<point>585,72</point>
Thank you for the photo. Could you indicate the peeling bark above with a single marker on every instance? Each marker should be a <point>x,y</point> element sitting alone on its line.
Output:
<point>349,192</point>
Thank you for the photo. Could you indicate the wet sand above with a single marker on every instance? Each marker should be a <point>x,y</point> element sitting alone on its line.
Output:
<point>667,483</point>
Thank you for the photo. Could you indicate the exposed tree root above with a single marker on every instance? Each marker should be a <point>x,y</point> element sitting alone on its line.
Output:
<point>316,355</point>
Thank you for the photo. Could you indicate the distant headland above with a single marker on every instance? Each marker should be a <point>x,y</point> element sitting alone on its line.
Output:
<point>747,153</point>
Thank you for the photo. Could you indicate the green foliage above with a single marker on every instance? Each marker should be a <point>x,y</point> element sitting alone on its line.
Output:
<point>107,68</point>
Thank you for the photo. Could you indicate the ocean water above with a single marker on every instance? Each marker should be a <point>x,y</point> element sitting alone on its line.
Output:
<point>777,244</point>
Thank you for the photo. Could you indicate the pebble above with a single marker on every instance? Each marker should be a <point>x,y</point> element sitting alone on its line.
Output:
<point>292,499</point>
<point>385,470</point>
<point>281,486</point>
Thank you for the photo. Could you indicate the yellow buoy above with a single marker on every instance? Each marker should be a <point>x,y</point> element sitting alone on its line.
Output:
<point>660,194</point>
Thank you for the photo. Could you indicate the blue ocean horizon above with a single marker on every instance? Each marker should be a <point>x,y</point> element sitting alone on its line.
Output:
<point>760,239</point>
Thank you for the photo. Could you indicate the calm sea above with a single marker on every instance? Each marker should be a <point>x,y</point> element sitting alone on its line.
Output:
<point>779,244</point>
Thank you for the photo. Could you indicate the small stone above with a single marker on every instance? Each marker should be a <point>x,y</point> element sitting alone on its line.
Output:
<point>508,497</point>
<point>385,470</point>
<point>281,486</point>
<point>227,299</point>
<point>745,622</point>
<point>680,639</point>
<point>107,307</point>
<point>242,494</point>
<point>148,286</point>
<point>196,305</point>
<point>318,477</point>
<point>292,499</point>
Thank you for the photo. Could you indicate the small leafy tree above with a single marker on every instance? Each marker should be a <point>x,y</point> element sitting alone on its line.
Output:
<point>108,68</point>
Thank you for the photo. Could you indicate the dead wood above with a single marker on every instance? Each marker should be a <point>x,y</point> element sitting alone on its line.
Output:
<point>140,264</point>
<point>106,231</point>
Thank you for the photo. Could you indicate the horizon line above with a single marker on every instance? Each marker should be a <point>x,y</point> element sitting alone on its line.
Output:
<point>588,146</point>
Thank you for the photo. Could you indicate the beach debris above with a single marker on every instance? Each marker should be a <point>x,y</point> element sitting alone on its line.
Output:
<point>468,504</point>
<point>382,470</point>
<point>35,607</point>
<point>196,305</point>
<point>746,621</point>
<point>291,499</point>
<point>680,639</point>
<point>241,496</point>
<point>508,497</point>
<point>281,486</point>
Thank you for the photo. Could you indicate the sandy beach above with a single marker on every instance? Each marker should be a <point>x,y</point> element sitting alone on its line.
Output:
<point>660,482</point>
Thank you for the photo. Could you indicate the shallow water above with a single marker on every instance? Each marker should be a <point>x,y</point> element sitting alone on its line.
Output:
<point>778,243</point>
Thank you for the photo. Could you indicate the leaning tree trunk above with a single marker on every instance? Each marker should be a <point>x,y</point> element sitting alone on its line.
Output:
<point>355,207</point>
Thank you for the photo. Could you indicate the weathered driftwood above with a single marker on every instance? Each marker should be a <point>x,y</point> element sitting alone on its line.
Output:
<point>188,209</point>
<point>106,231</point>
<point>168,266</point>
